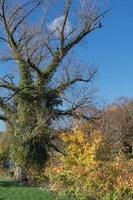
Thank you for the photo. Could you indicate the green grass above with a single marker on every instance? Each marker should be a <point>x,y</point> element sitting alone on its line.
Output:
<point>10,190</point>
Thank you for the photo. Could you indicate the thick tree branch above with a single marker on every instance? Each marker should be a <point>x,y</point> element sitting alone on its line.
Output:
<point>8,86</point>
<point>60,54</point>
<point>62,37</point>
<point>86,31</point>
<point>6,107</point>
<point>76,115</point>
<point>7,82</point>
<point>33,66</point>
<point>51,68</point>
<point>68,83</point>
<point>3,118</point>
<point>51,145</point>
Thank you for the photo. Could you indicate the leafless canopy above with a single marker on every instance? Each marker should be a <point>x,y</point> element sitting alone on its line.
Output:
<point>36,42</point>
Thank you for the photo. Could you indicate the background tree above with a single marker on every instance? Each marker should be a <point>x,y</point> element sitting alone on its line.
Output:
<point>37,39</point>
<point>117,124</point>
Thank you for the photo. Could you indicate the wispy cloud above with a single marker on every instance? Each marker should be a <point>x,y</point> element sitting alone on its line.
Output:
<point>56,26</point>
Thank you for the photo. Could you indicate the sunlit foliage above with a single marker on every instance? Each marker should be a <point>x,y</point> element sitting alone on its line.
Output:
<point>84,174</point>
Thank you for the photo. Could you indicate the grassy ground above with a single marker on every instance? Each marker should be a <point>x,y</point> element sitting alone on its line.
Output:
<point>10,190</point>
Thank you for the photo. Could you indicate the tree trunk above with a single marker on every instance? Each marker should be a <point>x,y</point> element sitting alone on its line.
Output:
<point>21,175</point>
<point>18,173</point>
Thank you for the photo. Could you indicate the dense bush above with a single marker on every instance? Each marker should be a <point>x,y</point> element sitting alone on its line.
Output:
<point>91,170</point>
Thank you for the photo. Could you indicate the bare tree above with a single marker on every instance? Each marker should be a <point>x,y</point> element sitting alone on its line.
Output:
<point>116,124</point>
<point>37,39</point>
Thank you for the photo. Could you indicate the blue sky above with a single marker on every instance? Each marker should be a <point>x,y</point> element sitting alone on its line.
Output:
<point>111,50</point>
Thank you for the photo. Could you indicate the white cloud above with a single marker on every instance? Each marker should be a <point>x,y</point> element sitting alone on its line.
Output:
<point>56,26</point>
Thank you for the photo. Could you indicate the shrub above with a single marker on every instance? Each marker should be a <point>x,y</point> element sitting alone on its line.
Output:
<point>84,175</point>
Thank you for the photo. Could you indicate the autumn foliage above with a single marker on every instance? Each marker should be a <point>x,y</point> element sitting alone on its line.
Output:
<point>83,173</point>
